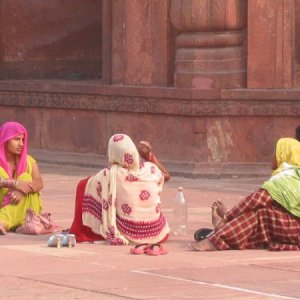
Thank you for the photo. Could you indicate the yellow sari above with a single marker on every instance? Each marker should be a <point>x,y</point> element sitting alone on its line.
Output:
<point>287,151</point>
<point>14,215</point>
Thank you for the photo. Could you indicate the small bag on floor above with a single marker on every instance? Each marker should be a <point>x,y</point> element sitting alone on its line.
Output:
<point>37,224</point>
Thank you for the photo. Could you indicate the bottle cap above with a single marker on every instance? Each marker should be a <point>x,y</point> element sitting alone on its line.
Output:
<point>180,188</point>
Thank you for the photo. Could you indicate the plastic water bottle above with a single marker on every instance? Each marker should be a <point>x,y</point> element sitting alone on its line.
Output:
<point>180,213</point>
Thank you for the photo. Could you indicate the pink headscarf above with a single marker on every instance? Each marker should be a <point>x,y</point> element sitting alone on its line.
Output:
<point>8,131</point>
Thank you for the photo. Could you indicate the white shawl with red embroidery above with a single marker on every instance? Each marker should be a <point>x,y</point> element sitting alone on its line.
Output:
<point>122,203</point>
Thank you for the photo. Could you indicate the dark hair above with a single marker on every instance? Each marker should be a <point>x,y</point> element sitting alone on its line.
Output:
<point>298,133</point>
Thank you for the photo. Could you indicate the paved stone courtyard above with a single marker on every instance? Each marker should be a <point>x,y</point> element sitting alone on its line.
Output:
<point>31,270</point>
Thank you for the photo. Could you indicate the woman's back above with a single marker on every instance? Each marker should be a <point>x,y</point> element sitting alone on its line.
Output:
<point>138,195</point>
<point>122,202</point>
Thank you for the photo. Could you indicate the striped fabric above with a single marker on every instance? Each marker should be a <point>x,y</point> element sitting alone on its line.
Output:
<point>139,230</point>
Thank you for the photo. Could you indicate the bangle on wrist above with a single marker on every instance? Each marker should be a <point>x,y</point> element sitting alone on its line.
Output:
<point>7,183</point>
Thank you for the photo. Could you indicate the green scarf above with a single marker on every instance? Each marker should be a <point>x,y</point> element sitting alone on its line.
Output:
<point>284,188</point>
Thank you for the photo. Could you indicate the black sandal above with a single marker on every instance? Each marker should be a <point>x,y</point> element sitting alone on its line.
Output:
<point>202,234</point>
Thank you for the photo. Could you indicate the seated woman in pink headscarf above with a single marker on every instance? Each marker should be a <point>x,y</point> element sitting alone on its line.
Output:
<point>20,179</point>
<point>121,203</point>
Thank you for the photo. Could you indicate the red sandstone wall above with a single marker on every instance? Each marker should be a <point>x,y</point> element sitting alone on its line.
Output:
<point>230,126</point>
<point>270,52</point>
<point>297,43</point>
<point>142,43</point>
<point>50,39</point>
<point>185,125</point>
<point>183,139</point>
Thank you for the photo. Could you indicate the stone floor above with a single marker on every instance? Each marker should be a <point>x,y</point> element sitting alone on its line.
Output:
<point>31,270</point>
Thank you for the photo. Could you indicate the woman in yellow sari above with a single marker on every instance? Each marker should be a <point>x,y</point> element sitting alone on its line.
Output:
<point>20,179</point>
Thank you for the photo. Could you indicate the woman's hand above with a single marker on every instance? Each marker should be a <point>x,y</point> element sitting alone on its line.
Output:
<point>16,197</point>
<point>24,187</point>
<point>35,186</point>
<point>144,149</point>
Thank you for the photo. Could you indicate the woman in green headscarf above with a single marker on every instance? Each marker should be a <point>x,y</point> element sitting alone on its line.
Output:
<point>268,218</point>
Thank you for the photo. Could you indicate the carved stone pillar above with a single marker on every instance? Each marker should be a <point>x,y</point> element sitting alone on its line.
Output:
<point>209,47</point>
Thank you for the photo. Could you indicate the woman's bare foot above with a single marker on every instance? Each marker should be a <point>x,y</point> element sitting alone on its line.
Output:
<point>204,245</point>
<point>2,229</point>
<point>216,220</point>
<point>221,208</point>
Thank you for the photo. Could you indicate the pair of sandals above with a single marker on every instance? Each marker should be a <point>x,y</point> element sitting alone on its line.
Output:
<point>62,240</point>
<point>149,249</point>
